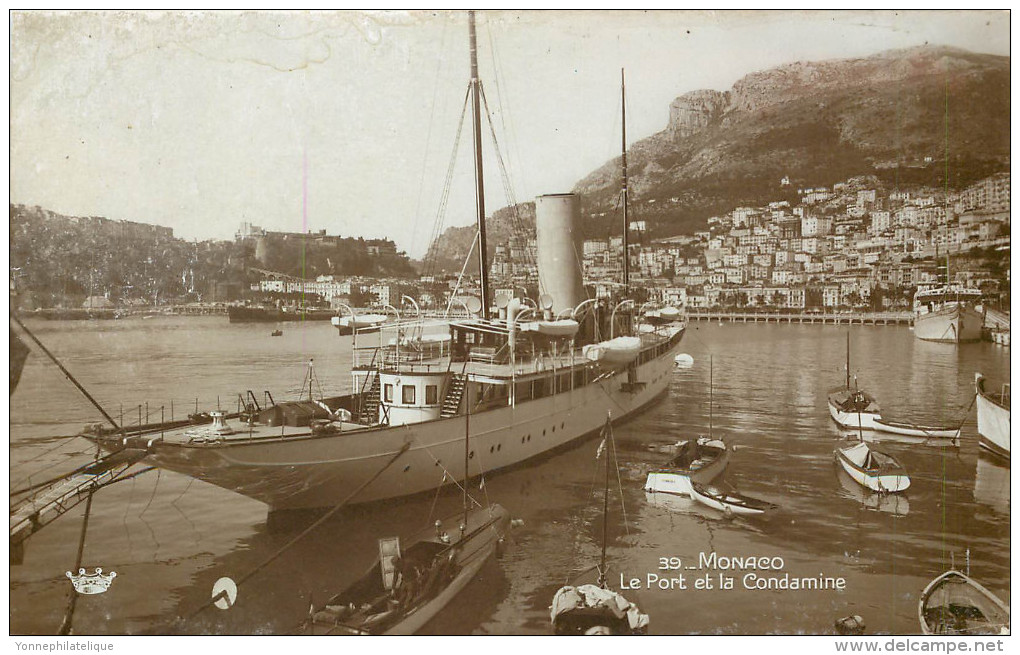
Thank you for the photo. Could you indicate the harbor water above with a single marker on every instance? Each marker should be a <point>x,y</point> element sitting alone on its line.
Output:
<point>169,537</point>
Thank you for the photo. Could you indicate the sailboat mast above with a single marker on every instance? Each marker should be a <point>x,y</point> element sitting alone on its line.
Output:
<point>467,448</point>
<point>626,220</point>
<point>848,360</point>
<point>605,506</point>
<point>711,400</point>
<point>483,267</point>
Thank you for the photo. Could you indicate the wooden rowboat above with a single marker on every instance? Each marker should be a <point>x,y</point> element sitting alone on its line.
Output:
<point>926,432</point>
<point>954,604</point>
<point>407,588</point>
<point>873,469</point>
<point>695,461</point>
<point>729,501</point>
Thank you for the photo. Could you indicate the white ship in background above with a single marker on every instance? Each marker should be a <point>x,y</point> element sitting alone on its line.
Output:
<point>523,380</point>
<point>948,314</point>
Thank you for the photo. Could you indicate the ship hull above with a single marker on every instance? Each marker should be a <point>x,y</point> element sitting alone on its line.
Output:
<point>992,423</point>
<point>310,471</point>
<point>953,323</point>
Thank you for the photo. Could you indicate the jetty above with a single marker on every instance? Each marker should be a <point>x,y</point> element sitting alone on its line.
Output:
<point>831,318</point>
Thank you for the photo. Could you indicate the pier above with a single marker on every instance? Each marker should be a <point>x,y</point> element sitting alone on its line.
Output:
<point>847,318</point>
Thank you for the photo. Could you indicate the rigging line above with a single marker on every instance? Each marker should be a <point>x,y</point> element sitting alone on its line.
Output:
<point>460,277</point>
<point>447,473</point>
<point>159,474</point>
<point>433,255</point>
<point>60,444</point>
<point>428,134</point>
<point>505,114</point>
<point>516,221</point>
<point>67,374</point>
<point>322,519</point>
<point>619,483</point>
<point>52,480</point>
<point>65,626</point>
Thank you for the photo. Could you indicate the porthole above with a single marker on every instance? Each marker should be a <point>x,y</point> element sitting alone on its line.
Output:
<point>522,439</point>
<point>492,449</point>
<point>543,433</point>
<point>554,428</point>
<point>561,425</point>
<point>471,455</point>
<point>499,447</point>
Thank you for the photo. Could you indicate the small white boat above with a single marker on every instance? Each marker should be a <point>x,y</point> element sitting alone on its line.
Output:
<point>357,322</point>
<point>663,315</point>
<point>621,350</point>
<point>895,504</point>
<point>954,604</point>
<point>566,327</point>
<point>683,360</point>
<point>873,469</point>
<point>928,434</point>
<point>669,313</point>
<point>695,461</point>
<point>993,417</point>
<point>729,501</point>
<point>853,408</point>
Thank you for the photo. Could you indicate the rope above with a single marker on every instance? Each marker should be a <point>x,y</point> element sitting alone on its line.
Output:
<point>432,255</point>
<point>304,532</point>
<point>619,482</point>
<point>65,626</point>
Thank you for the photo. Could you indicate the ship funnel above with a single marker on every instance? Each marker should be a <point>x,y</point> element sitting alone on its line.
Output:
<point>560,249</point>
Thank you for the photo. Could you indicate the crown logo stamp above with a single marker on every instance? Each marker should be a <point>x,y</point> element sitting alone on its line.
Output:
<point>91,583</point>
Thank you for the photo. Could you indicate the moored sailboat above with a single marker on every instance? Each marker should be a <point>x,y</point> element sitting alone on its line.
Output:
<point>853,408</point>
<point>595,609</point>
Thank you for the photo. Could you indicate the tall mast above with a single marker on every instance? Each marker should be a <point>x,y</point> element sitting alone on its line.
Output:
<point>605,503</point>
<point>711,400</point>
<point>848,359</point>
<point>626,223</point>
<point>467,446</point>
<point>483,268</point>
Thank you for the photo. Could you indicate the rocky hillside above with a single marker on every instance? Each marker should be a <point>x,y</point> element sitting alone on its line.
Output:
<point>902,115</point>
<point>927,116</point>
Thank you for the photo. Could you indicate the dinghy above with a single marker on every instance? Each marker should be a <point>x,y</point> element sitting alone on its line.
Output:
<point>695,461</point>
<point>873,469</point>
<point>729,501</point>
<point>566,327</point>
<point>357,322</point>
<point>407,588</point>
<point>928,434</point>
<point>954,604</point>
<point>683,360</point>
<point>621,350</point>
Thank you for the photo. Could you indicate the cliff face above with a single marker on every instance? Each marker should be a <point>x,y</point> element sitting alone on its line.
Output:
<point>694,111</point>
<point>896,114</point>
<point>906,116</point>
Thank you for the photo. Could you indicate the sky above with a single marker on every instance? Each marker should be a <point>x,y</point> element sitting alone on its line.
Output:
<point>347,121</point>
